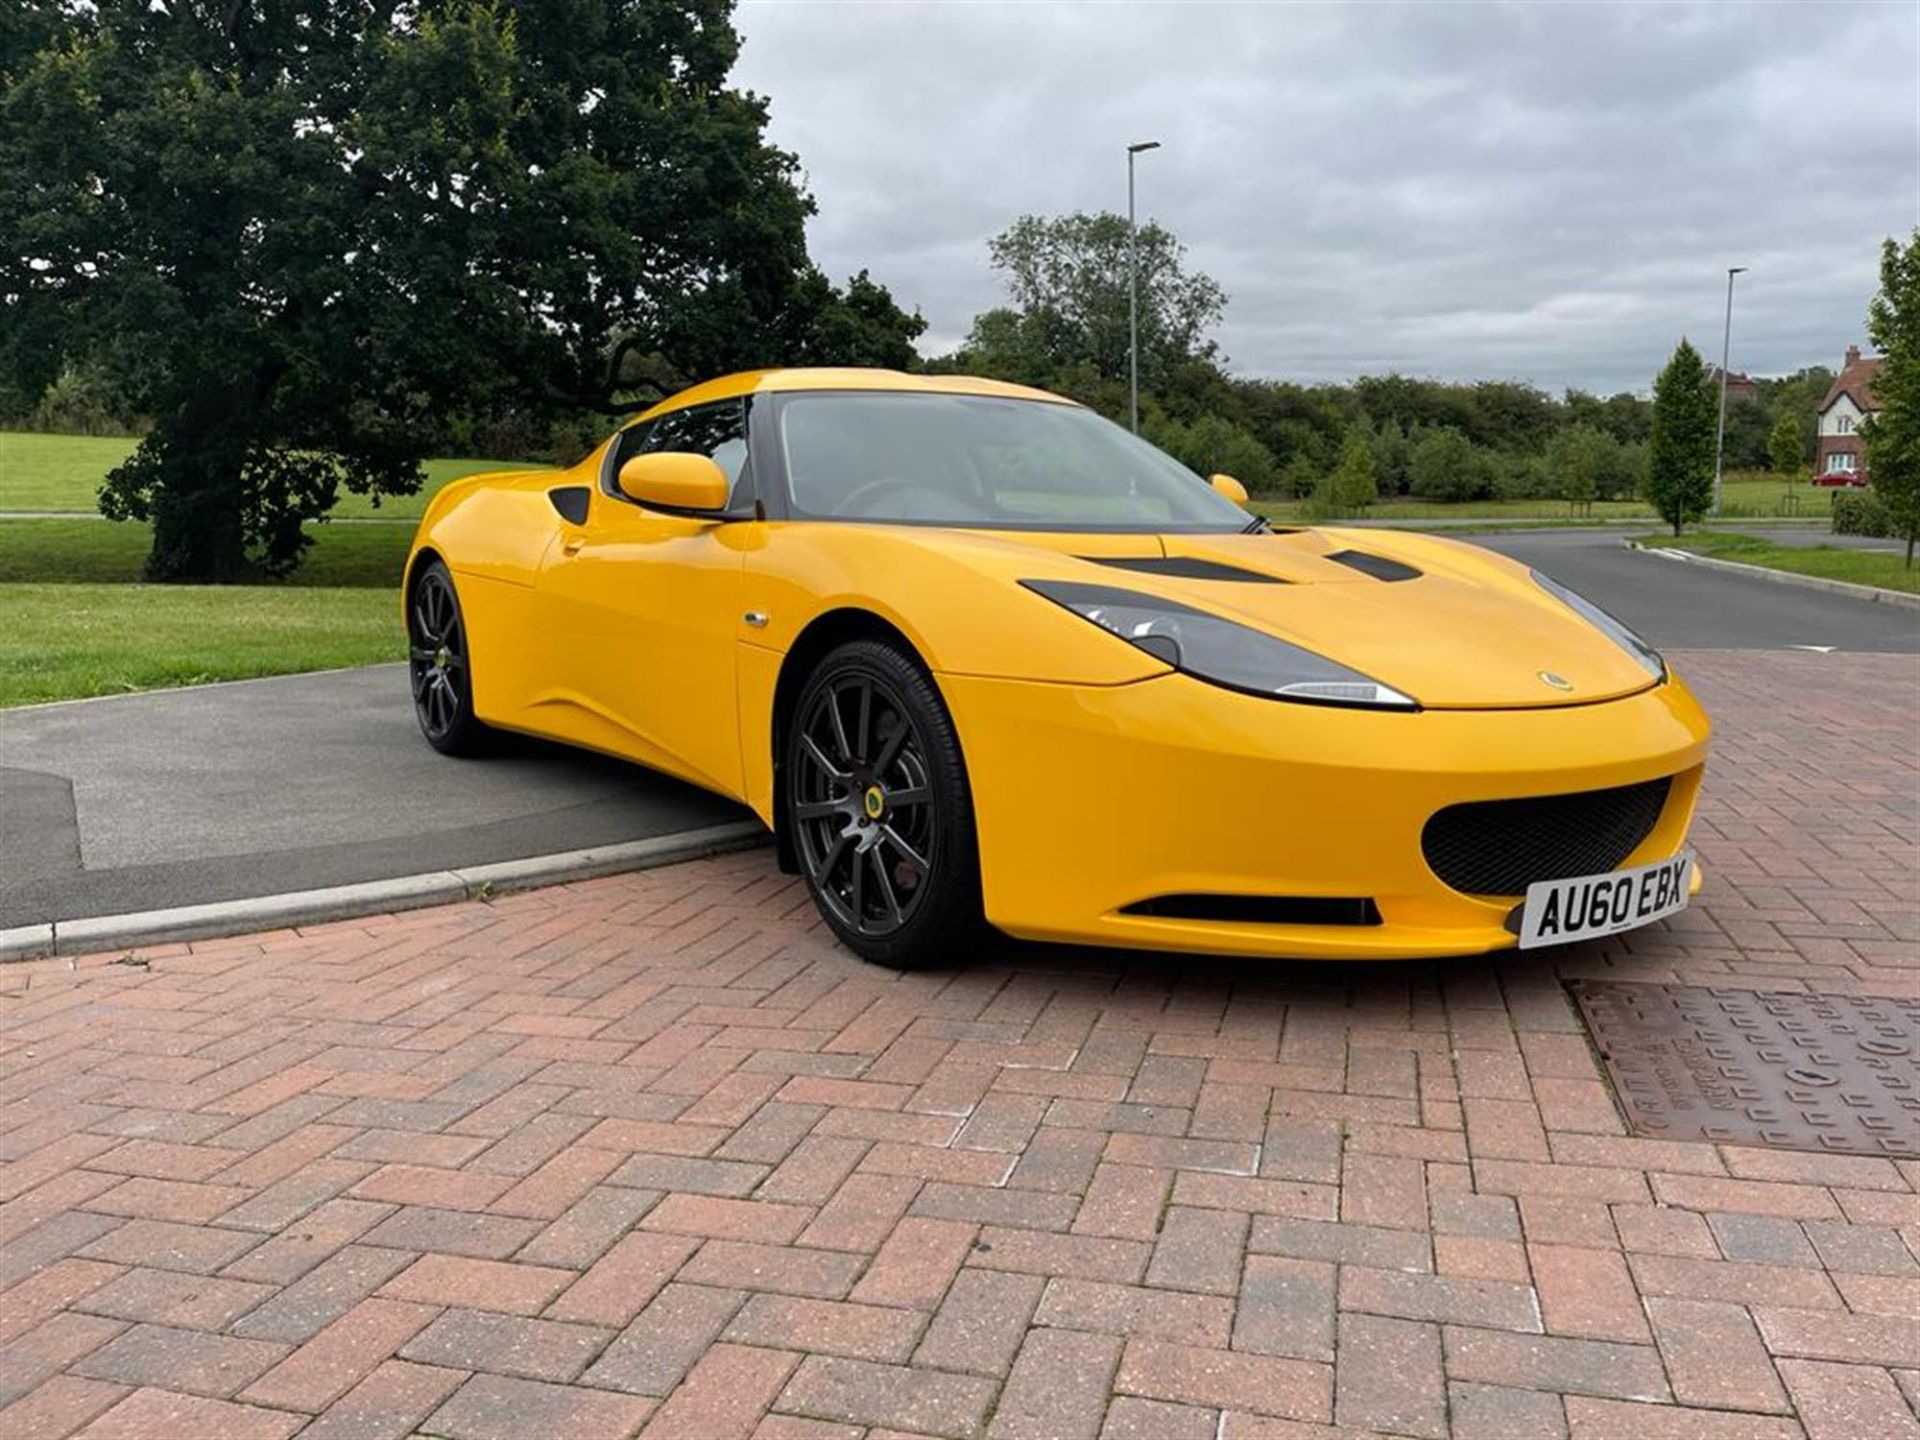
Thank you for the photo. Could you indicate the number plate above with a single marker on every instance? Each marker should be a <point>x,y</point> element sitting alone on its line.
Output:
<point>1558,912</point>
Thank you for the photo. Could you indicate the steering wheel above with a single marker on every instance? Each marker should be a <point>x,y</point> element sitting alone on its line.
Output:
<point>852,503</point>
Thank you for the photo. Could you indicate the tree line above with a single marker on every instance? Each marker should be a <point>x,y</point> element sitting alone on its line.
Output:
<point>1064,328</point>
<point>297,249</point>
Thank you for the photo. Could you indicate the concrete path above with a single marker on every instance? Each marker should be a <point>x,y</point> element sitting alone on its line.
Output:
<point>183,797</point>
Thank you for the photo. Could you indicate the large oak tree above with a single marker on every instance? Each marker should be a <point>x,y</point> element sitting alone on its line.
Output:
<point>297,233</point>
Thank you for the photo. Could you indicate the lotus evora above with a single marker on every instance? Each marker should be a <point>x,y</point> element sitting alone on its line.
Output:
<point>981,658</point>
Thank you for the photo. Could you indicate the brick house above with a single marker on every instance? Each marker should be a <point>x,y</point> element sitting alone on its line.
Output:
<point>1839,454</point>
<point>1739,386</point>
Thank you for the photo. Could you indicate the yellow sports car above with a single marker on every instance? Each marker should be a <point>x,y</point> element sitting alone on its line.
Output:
<point>980,657</point>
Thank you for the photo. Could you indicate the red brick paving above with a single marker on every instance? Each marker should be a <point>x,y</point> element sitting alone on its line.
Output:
<point>648,1156</point>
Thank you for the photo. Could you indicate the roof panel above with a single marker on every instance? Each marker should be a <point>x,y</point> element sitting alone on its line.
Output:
<point>749,382</point>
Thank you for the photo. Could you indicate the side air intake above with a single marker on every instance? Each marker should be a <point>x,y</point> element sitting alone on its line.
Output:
<point>1260,909</point>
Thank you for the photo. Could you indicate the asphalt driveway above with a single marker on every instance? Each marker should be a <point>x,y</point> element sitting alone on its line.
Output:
<point>1699,607</point>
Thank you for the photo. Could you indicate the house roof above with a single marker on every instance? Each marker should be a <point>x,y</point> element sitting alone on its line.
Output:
<point>1855,382</point>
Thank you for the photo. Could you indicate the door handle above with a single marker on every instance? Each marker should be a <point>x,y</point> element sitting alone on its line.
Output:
<point>572,545</point>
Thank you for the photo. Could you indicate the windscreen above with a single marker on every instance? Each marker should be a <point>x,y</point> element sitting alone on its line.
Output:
<point>970,460</point>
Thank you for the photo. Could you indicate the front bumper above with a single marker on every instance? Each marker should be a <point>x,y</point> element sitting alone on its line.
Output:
<point>1089,799</point>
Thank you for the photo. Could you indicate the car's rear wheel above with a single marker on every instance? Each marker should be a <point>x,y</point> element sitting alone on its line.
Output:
<point>439,665</point>
<point>876,794</point>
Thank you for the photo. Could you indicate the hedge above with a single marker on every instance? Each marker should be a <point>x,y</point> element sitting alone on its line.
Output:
<point>1861,512</point>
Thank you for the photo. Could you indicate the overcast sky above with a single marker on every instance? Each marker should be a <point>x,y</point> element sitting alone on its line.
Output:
<point>1549,192</point>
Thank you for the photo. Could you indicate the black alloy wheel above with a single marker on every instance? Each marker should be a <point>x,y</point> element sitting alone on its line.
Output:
<point>878,801</point>
<point>438,665</point>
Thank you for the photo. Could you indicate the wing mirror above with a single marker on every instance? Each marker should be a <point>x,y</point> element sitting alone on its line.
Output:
<point>1229,487</point>
<point>675,480</point>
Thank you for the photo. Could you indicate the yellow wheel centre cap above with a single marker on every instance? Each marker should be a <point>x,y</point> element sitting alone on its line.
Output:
<point>874,801</point>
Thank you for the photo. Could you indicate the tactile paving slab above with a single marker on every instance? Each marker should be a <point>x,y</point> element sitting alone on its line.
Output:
<point>1834,1073</point>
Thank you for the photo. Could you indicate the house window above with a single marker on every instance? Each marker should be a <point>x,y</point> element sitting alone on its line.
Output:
<point>1840,464</point>
<point>1843,424</point>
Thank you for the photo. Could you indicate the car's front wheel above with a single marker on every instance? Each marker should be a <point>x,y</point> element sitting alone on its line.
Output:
<point>439,665</point>
<point>876,794</point>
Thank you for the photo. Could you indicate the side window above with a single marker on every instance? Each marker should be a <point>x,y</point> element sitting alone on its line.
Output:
<point>718,431</point>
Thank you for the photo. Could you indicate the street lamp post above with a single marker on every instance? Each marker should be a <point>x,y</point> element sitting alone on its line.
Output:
<point>1726,344</point>
<point>1133,293</point>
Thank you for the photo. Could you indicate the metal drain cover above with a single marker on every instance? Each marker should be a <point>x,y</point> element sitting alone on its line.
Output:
<point>1838,1073</point>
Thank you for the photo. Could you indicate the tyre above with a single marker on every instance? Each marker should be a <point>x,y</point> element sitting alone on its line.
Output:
<point>876,793</point>
<point>440,667</point>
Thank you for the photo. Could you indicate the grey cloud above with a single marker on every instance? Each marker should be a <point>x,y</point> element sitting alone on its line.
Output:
<point>1543,191</point>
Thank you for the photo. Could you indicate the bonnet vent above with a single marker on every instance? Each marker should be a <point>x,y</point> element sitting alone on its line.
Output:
<point>1182,567</point>
<point>1378,566</point>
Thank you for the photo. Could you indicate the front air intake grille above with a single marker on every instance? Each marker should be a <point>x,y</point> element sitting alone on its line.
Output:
<point>1500,847</point>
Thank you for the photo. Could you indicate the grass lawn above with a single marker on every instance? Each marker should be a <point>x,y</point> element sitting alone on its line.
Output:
<point>1295,511</point>
<point>64,472</point>
<point>1743,497</point>
<point>1750,497</point>
<point>103,552</point>
<point>66,641</point>
<point>80,622</point>
<point>1884,568</point>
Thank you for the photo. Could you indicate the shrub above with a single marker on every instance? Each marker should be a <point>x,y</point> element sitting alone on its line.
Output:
<point>1623,470</point>
<point>1787,445</point>
<point>1214,445</point>
<point>1349,486</point>
<point>1575,458</point>
<point>1861,512</point>
<point>1391,451</point>
<point>1301,476</point>
<point>521,436</point>
<point>81,402</point>
<point>1446,466</point>
<point>1529,477</point>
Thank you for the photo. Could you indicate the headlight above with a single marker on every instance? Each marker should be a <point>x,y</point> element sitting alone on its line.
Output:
<point>1606,624</point>
<point>1219,651</point>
